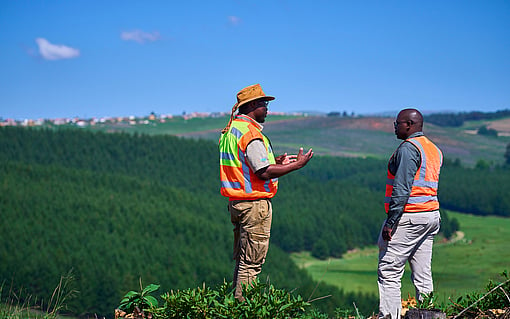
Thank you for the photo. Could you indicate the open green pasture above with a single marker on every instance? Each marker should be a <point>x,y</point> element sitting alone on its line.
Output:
<point>480,252</point>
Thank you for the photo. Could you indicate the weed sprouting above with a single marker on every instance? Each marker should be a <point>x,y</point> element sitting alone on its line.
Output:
<point>17,305</point>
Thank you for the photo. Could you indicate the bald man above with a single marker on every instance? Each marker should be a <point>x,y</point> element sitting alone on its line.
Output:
<point>413,217</point>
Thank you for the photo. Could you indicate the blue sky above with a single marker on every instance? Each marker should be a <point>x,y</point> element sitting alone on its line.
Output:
<point>113,58</point>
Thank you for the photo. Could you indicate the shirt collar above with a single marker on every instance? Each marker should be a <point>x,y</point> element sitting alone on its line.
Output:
<point>416,134</point>
<point>249,119</point>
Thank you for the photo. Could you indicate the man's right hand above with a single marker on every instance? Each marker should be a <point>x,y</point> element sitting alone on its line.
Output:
<point>386,233</point>
<point>280,169</point>
<point>303,159</point>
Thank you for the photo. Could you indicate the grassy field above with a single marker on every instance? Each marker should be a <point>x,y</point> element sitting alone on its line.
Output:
<point>481,252</point>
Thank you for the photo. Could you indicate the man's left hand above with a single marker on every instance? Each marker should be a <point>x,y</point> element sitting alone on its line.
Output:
<point>285,159</point>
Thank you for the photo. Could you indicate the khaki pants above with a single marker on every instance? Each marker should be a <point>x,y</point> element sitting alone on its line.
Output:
<point>412,241</point>
<point>252,229</point>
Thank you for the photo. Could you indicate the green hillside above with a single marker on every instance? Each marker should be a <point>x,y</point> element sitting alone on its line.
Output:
<point>116,207</point>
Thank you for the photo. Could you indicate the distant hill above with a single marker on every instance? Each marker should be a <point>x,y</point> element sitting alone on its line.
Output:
<point>345,136</point>
<point>360,136</point>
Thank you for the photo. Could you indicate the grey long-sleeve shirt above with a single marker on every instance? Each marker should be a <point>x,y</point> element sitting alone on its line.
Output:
<point>403,164</point>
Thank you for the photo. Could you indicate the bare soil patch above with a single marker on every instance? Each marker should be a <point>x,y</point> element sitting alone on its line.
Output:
<point>502,126</point>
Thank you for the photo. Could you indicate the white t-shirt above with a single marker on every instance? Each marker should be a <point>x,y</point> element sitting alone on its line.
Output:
<point>256,154</point>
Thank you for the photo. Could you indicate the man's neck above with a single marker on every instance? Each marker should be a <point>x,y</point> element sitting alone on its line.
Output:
<point>415,134</point>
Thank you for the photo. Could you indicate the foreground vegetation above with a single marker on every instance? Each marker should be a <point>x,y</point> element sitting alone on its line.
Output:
<point>263,301</point>
<point>18,304</point>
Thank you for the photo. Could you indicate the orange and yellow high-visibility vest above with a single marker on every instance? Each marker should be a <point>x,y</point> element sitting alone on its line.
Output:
<point>238,181</point>
<point>423,195</point>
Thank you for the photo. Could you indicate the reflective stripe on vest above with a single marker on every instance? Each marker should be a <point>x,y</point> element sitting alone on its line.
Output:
<point>423,195</point>
<point>238,181</point>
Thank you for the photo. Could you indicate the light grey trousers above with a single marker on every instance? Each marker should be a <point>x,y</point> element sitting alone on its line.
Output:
<point>412,241</point>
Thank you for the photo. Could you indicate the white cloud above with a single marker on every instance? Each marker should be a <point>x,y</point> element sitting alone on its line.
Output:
<point>55,51</point>
<point>233,20</point>
<point>139,36</point>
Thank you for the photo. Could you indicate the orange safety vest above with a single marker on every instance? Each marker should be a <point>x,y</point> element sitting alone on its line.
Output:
<point>238,181</point>
<point>423,197</point>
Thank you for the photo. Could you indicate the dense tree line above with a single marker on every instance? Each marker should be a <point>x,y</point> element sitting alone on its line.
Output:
<point>111,230</point>
<point>344,192</point>
<point>507,154</point>
<point>480,190</point>
<point>458,119</point>
<point>116,207</point>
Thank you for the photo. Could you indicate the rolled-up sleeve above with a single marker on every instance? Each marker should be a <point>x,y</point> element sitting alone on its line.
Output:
<point>256,154</point>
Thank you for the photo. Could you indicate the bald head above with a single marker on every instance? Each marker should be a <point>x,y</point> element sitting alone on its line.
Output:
<point>408,121</point>
<point>412,115</point>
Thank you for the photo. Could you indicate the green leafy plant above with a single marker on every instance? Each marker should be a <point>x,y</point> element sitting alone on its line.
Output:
<point>140,301</point>
<point>428,301</point>
<point>472,304</point>
<point>188,303</point>
<point>261,301</point>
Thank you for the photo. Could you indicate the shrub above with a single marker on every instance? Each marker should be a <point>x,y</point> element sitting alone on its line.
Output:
<point>474,303</point>
<point>139,301</point>
<point>484,130</point>
<point>262,301</point>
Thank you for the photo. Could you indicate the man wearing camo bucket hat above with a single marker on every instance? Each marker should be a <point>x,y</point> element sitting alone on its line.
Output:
<point>249,174</point>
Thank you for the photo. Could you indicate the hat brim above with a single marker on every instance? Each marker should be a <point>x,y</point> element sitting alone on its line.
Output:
<point>264,98</point>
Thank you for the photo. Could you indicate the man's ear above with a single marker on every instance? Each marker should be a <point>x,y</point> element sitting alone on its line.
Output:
<point>246,108</point>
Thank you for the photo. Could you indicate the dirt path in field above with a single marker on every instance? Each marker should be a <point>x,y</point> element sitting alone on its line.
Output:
<point>459,235</point>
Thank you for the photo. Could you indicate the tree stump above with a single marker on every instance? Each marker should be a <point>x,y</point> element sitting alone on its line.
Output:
<point>425,314</point>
